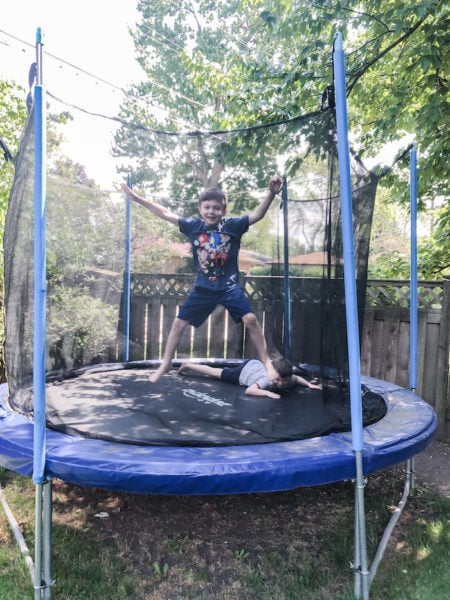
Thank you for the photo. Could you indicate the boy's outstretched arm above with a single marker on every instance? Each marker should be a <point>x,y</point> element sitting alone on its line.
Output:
<point>274,188</point>
<point>255,390</point>
<point>156,209</point>
<point>312,386</point>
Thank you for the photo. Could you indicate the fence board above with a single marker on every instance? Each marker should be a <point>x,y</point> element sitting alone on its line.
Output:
<point>154,341</point>
<point>421,348</point>
<point>442,405</point>
<point>367,334</point>
<point>403,352</point>
<point>137,309</point>
<point>249,348</point>
<point>430,359</point>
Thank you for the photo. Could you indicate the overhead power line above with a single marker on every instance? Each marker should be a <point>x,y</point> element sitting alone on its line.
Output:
<point>100,79</point>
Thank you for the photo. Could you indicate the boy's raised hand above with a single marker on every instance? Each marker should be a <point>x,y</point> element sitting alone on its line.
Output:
<point>127,190</point>
<point>275,185</point>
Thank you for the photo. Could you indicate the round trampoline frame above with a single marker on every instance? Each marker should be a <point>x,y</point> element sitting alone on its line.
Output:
<point>406,430</point>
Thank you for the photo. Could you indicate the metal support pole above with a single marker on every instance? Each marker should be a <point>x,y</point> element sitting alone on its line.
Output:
<point>43,539</point>
<point>409,480</point>
<point>38,543</point>
<point>351,307</point>
<point>361,574</point>
<point>47,539</point>
<point>15,528</point>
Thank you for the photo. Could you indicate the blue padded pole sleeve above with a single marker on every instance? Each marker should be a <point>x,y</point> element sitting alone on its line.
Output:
<point>351,305</point>
<point>287,349</point>
<point>413,272</point>
<point>127,278</point>
<point>40,288</point>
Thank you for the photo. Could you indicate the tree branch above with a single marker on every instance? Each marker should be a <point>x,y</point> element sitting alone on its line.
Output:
<point>6,153</point>
<point>394,44</point>
<point>359,13</point>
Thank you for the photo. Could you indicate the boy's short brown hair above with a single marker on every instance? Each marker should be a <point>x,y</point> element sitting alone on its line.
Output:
<point>213,194</point>
<point>283,366</point>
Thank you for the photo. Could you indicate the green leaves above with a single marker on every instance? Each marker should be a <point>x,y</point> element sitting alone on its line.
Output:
<point>225,65</point>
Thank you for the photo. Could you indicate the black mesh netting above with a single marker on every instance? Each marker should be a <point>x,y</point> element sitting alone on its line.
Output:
<point>86,256</point>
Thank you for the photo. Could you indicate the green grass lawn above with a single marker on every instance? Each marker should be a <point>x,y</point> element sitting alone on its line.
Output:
<point>134,553</point>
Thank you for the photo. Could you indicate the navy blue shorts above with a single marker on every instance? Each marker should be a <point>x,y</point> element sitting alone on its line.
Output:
<point>201,302</point>
<point>231,374</point>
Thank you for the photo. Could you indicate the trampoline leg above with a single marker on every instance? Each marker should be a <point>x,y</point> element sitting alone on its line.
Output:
<point>17,534</point>
<point>361,573</point>
<point>410,473</point>
<point>409,483</point>
<point>47,536</point>
<point>43,531</point>
<point>357,558</point>
<point>38,543</point>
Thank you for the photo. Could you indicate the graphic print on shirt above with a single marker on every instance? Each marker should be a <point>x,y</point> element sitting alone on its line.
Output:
<point>212,250</point>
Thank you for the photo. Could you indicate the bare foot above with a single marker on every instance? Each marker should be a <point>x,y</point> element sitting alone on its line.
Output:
<point>183,368</point>
<point>163,368</point>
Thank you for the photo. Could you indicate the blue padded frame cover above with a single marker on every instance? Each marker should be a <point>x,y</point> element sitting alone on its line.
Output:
<point>406,430</point>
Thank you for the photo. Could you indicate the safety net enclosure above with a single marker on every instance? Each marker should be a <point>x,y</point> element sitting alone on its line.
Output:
<point>115,279</point>
<point>299,297</point>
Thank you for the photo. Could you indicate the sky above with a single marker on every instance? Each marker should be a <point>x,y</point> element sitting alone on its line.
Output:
<point>88,57</point>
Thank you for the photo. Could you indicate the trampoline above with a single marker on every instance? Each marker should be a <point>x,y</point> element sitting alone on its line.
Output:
<point>201,437</point>
<point>406,429</point>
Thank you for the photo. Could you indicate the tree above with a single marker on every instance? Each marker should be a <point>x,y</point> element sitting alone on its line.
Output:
<point>12,119</point>
<point>13,115</point>
<point>390,244</point>
<point>222,64</point>
<point>240,63</point>
<point>180,49</point>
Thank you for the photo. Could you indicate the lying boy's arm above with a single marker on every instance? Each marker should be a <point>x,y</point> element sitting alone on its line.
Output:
<point>255,390</point>
<point>260,211</point>
<point>156,209</point>
<point>300,381</point>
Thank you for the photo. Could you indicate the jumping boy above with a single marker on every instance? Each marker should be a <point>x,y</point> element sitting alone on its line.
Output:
<point>253,376</point>
<point>215,242</point>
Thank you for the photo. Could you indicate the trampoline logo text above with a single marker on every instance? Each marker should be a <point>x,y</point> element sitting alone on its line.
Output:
<point>205,398</point>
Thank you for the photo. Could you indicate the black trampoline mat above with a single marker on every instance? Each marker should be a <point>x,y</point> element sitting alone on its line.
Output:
<point>122,405</point>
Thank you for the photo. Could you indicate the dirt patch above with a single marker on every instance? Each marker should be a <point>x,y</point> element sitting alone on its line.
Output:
<point>211,546</point>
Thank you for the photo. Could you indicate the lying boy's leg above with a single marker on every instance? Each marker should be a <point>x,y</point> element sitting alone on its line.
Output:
<point>256,333</point>
<point>176,331</point>
<point>237,304</point>
<point>200,369</point>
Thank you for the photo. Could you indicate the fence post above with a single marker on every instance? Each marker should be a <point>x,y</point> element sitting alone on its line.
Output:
<point>442,384</point>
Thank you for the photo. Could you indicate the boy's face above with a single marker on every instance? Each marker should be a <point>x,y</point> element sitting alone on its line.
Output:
<point>211,211</point>
<point>282,382</point>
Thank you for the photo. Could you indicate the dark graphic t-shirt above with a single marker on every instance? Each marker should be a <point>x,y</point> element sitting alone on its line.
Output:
<point>215,251</point>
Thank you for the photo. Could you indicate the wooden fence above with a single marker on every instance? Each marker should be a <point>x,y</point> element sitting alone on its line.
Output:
<point>155,300</point>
